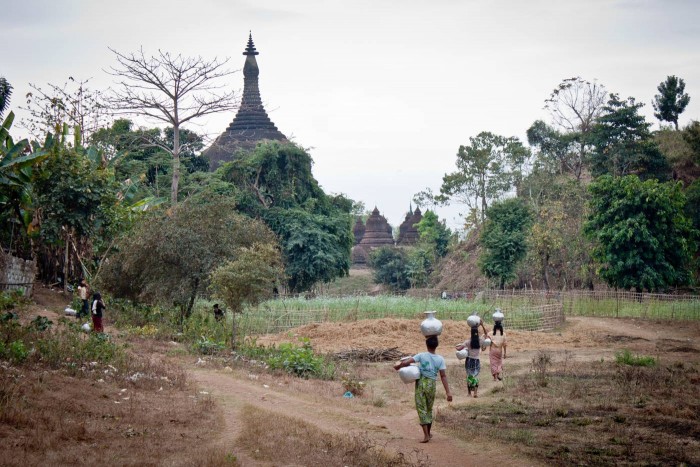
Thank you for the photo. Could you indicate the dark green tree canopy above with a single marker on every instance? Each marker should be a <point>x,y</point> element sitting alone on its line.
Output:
<point>671,100</point>
<point>391,267</point>
<point>624,145</point>
<point>644,240</point>
<point>504,238</point>
<point>5,93</point>
<point>314,229</point>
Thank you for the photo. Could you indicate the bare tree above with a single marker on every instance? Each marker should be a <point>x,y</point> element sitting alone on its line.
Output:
<point>574,106</point>
<point>171,89</point>
<point>73,104</point>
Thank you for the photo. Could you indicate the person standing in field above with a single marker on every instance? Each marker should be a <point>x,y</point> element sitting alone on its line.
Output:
<point>83,294</point>
<point>430,364</point>
<point>98,308</point>
<point>218,312</point>
<point>497,351</point>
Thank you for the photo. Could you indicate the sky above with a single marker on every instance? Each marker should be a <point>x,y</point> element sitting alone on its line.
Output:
<point>382,92</point>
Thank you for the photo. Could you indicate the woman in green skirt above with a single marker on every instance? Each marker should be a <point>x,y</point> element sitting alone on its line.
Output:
<point>430,364</point>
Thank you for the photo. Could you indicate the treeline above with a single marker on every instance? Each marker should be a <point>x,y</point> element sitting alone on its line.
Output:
<point>595,196</point>
<point>101,202</point>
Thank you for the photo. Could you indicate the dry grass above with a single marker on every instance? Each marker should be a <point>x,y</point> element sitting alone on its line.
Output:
<point>69,410</point>
<point>270,437</point>
<point>600,413</point>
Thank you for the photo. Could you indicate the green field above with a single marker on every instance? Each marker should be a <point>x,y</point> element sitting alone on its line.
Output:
<point>521,310</point>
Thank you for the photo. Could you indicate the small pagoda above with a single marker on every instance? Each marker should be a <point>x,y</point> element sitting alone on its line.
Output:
<point>408,232</point>
<point>377,233</point>
<point>251,124</point>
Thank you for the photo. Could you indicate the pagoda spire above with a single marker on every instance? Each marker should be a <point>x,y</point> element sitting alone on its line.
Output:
<point>251,123</point>
<point>250,49</point>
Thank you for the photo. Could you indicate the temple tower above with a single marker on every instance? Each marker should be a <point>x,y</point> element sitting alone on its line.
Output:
<point>251,123</point>
<point>377,234</point>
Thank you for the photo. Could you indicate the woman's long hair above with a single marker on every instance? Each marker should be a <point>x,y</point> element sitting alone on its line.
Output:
<point>474,340</point>
<point>498,327</point>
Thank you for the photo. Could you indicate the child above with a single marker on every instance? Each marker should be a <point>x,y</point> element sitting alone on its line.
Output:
<point>429,364</point>
<point>473,365</point>
<point>98,306</point>
<point>83,294</point>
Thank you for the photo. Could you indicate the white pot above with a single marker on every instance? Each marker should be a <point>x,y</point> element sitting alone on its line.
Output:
<point>473,321</point>
<point>409,374</point>
<point>498,315</point>
<point>431,326</point>
<point>86,327</point>
<point>461,354</point>
<point>487,342</point>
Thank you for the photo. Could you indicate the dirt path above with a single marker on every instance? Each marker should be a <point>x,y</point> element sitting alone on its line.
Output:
<point>398,431</point>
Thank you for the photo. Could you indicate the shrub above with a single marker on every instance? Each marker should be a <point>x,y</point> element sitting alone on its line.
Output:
<point>300,361</point>
<point>626,358</point>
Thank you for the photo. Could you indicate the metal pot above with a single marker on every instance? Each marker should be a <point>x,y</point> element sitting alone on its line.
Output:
<point>431,326</point>
<point>473,321</point>
<point>498,315</point>
<point>409,374</point>
<point>461,354</point>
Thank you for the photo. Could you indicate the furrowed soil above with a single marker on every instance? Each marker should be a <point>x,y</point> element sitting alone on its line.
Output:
<point>563,400</point>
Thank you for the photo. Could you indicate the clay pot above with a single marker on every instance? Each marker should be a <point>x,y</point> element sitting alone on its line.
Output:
<point>431,326</point>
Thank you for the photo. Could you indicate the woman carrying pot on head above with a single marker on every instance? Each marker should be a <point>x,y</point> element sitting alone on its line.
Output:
<point>430,365</point>
<point>497,351</point>
<point>473,345</point>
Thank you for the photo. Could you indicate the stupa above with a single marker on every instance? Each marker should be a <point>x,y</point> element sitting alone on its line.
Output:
<point>377,234</point>
<point>251,124</point>
<point>408,232</point>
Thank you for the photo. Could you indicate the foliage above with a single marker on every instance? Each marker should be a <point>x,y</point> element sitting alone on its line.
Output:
<point>487,168</point>
<point>390,267</point>
<point>169,256</point>
<point>299,361</point>
<point>314,229</point>
<point>692,206</point>
<point>504,238</point>
<point>625,357</point>
<point>9,299</point>
<point>434,234</point>
<point>623,144</point>
<point>5,93</point>
<point>671,100</point>
<point>643,239</point>
<point>250,277</point>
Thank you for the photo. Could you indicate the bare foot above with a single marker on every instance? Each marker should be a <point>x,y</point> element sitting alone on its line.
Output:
<point>425,440</point>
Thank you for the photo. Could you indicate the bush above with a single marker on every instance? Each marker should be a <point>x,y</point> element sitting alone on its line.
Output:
<point>300,361</point>
<point>11,298</point>
<point>626,358</point>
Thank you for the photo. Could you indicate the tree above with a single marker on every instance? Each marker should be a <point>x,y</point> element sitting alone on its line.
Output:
<point>170,89</point>
<point>248,279</point>
<point>5,93</point>
<point>623,143</point>
<point>671,100</point>
<point>73,105</point>
<point>504,239</point>
<point>643,239</point>
<point>391,267</point>
<point>486,169</point>
<point>76,202</point>
<point>314,229</point>
<point>574,106</point>
<point>434,234</point>
<point>169,256</point>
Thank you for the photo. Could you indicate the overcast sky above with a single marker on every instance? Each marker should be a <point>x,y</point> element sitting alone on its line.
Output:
<point>382,91</point>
